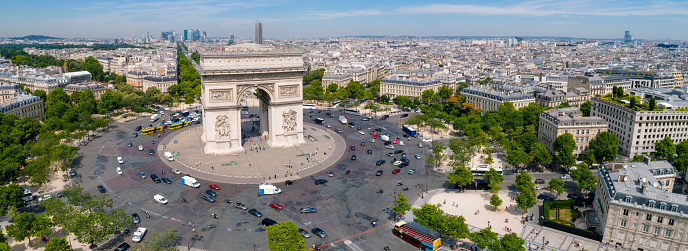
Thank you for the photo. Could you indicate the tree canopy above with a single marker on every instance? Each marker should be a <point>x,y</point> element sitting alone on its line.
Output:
<point>605,146</point>
<point>285,237</point>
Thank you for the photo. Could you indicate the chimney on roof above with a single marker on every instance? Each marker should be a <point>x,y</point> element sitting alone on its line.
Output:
<point>646,159</point>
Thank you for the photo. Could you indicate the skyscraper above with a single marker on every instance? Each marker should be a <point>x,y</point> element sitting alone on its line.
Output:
<point>628,38</point>
<point>259,33</point>
<point>231,38</point>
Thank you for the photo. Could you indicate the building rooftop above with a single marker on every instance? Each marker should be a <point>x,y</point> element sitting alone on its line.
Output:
<point>410,81</point>
<point>488,92</point>
<point>17,101</point>
<point>570,116</point>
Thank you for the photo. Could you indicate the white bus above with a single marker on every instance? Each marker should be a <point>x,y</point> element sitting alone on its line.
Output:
<point>352,111</point>
<point>335,104</point>
<point>309,107</point>
<point>482,170</point>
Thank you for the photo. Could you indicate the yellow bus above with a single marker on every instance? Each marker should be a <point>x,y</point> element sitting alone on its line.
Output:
<point>151,130</point>
<point>178,125</point>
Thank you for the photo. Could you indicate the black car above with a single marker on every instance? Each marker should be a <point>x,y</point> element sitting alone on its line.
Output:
<point>151,152</point>
<point>72,172</point>
<point>211,192</point>
<point>134,135</point>
<point>380,162</point>
<point>123,247</point>
<point>370,151</point>
<point>404,115</point>
<point>135,218</point>
<point>362,143</point>
<point>155,178</point>
<point>307,210</point>
<point>378,173</point>
<point>255,212</point>
<point>544,197</point>
<point>320,181</point>
<point>398,151</point>
<point>353,157</point>
<point>60,194</point>
<point>352,124</point>
<point>402,165</point>
<point>289,182</point>
<point>101,188</point>
<point>378,129</point>
<point>388,142</point>
<point>405,160</point>
<point>138,128</point>
<point>130,144</point>
<point>405,135</point>
<point>208,198</point>
<point>319,232</point>
<point>384,117</point>
<point>353,148</point>
<point>166,180</point>
<point>573,196</point>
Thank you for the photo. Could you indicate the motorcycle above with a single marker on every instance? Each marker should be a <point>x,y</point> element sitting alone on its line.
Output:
<point>405,188</point>
<point>373,223</point>
<point>147,215</point>
<point>228,201</point>
<point>163,171</point>
<point>386,248</point>
<point>183,199</point>
<point>348,172</point>
<point>380,191</point>
<point>400,183</point>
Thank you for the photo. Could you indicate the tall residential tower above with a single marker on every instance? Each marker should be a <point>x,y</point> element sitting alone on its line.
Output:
<point>259,33</point>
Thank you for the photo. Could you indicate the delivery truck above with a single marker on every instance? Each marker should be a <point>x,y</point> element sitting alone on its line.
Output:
<point>169,156</point>
<point>138,235</point>
<point>267,188</point>
<point>190,181</point>
<point>155,117</point>
<point>343,119</point>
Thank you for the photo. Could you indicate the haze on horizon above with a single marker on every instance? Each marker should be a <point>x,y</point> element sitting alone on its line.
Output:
<point>302,19</point>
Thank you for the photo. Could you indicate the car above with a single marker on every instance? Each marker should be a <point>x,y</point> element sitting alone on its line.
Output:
<point>361,132</point>
<point>403,155</point>
<point>412,171</point>
<point>240,205</point>
<point>353,148</point>
<point>255,212</point>
<point>365,119</point>
<point>338,130</point>
<point>211,192</point>
<point>539,181</point>
<point>352,123</point>
<point>319,232</point>
<point>151,152</point>
<point>544,197</point>
<point>289,183</point>
<point>60,194</point>
<point>417,156</point>
<point>119,170</point>
<point>304,233</point>
<point>320,181</point>
<point>138,128</point>
<point>380,162</point>
<point>208,198</point>
<point>47,197</point>
<point>72,172</point>
<point>404,164</point>
<point>123,247</point>
<point>389,146</point>
<point>405,135</point>
<point>390,154</point>
<point>398,151</point>
<point>565,177</point>
<point>140,148</point>
<point>129,145</point>
<point>404,115</point>
<point>155,178</point>
<point>370,151</point>
<point>328,126</point>
<point>308,210</point>
<point>388,142</point>
<point>573,196</point>
<point>396,163</point>
<point>378,129</point>
<point>353,157</point>
<point>276,206</point>
<point>362,143</point>
<point>176,171</point>
<point>120,160</point>
<point>395,141</point>
<point>331,174</point>
<point>378,173</point>
<point>420,145</point>
<point>134,135</point>
<point>143,175</point>
<point>384,117</point>
<point>160,199</point>
<point>166,180</point>
<point>405,160</point>
<point>214,187</point>
<point>383,128</point>
<point>101,189</point>
<point>135,218</point>
<point>396,171</point>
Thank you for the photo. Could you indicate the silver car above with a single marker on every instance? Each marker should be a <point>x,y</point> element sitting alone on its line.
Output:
<point>304,233</point>
<point>417,156</point>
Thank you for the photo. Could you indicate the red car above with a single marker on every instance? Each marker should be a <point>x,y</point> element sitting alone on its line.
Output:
<point>213,186</point>
<point>276,206</point>
<point>164,126</point>
<point>396,171</point>
<point>394,141</point>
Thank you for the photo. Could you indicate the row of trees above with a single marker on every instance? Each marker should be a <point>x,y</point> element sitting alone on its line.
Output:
<point>190,85</point>
<point>315,90</point>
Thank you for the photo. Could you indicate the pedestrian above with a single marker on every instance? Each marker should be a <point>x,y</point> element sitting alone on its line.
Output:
<point>212,167</point>
<point>275,176</point>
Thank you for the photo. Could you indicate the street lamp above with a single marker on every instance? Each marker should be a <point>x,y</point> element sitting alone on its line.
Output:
<point>188,241</point>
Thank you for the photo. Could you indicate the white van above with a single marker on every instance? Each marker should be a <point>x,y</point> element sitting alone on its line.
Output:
<point>169,156</point>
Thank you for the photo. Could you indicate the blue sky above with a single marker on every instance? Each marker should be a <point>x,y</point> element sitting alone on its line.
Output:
<point>305,18</point>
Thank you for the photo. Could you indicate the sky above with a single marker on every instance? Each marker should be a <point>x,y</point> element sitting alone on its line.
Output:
<point>598,19</point>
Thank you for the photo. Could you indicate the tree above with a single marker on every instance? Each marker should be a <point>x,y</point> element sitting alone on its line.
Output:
<point>653,104</point>
<point>384,98</point>
<point>27,225</point>
<point>564,145</point>
<point>401,204</point>
<point>493,179</point>
<point>524,182</point>
<point>489,160</point>
<point>437,156</point>
<point>455,226</point>
<point>94,67</point>
<point>429,216</point>
<point>517,157</point>
<point>636,158</point>
<point>540,154</point>
<point>495,201</point>
<point>165,239</point>
<point>526,199</point>
<point>508,242</point>
<point>332,88</point>
<point>633,103</point>
<point>586,180</point>
<point>585,108</point>
<point>373,107</point>
<point>41,94</point>
<point>10,196</point>
<point>285,237</point>
<point>605,146</point>
<point>429,97</point>
<point>589,157</point>
<point>483,238</point>
<point>665,148</point>
<point>556,186</point>
<point>58,244</point>
<point>460,177</point>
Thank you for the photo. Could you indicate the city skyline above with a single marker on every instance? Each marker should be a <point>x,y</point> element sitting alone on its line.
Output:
<point>651,20</point>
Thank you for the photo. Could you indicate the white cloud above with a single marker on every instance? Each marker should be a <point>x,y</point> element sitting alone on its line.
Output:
<point>333,15</point>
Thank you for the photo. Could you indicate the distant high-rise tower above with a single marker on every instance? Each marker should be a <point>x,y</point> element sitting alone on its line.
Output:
<point>628,38</point>
<point>231,39</point>
<point>259,33</point>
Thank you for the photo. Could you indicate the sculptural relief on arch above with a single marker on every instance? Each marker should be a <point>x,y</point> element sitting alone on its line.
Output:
<point>229,72</point>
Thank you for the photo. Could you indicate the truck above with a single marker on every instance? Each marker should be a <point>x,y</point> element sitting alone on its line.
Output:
<point>138,235</point>
<point>190,181</point>
<point>267,188</point>
<point>343,119</point>
<point>169,156</point>
<point>155,117</point>
<point>384,137</point>
<point>417,235</point>
<point>319,121</point>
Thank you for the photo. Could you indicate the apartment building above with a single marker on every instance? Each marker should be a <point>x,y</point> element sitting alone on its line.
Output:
<point>555,98</point>
<point>636,209</point>
<point>638,131</point>
<point>77,77</point>
<point>24,105</point>
<point>556,122</point>
<point>650,79</point>
<point>410,87</point>
<point>8,90</point>
<point>135,78</point>
<point>162,83</point>
<point>96,88</point>
<point>486,98</point>
<point>594,84</point>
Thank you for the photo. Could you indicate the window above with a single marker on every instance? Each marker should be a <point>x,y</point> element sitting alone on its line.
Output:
<point>646,228</point>
<point>623,223</point>
<point>668,233</point>
<point>625,212</point>
<point>658,230</point>
<point>671,222</point>
<point>662,206</point>
<point>660,219</point>
<point>674,208</point>
<point>651,203</point>
<point>648,217</point>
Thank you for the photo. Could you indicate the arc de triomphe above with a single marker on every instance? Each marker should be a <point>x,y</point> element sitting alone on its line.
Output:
<point>227,73</point>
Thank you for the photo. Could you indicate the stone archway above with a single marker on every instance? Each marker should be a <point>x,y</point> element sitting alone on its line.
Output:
<point>227,73</point>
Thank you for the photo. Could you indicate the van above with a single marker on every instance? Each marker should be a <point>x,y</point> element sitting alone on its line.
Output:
<point>269,222</point>
<point>169,156</point>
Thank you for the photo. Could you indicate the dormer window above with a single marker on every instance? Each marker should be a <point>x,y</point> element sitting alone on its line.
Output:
<point>674,208</point>
<point>628,198</point>
<point>651,203</point>
<point>662,206</point>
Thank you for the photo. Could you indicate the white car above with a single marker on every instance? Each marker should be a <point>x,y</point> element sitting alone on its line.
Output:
<point>420,145</point>
<point>412,171</point>
<point>45,197</point>
<point>160,199</point>
<point>396,163</point>
<point>427,140</point>
<point>417,156</point>
<point>361,132</point>
<point>119,170</point>
<point>167,108</point>
<point>401,143</point>
<point>565,177</point>
<point>389,146</point>
<point>162,113</point>
<point>120,160</point>
<point>140,148</point>
<point>328,126</point>
<point>176,171</point>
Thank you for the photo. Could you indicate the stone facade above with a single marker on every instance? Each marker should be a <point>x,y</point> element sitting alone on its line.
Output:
<point>24,105</point>
<point>556,122</point>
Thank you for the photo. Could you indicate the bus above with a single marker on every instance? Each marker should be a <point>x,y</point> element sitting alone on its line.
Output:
<point>335,104</point>
<point>309,107</point>
<point>151,130</point>
<point>179,124</point>
<point>351,111</point>
<point>482,170</point>
<point>409,130</point>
